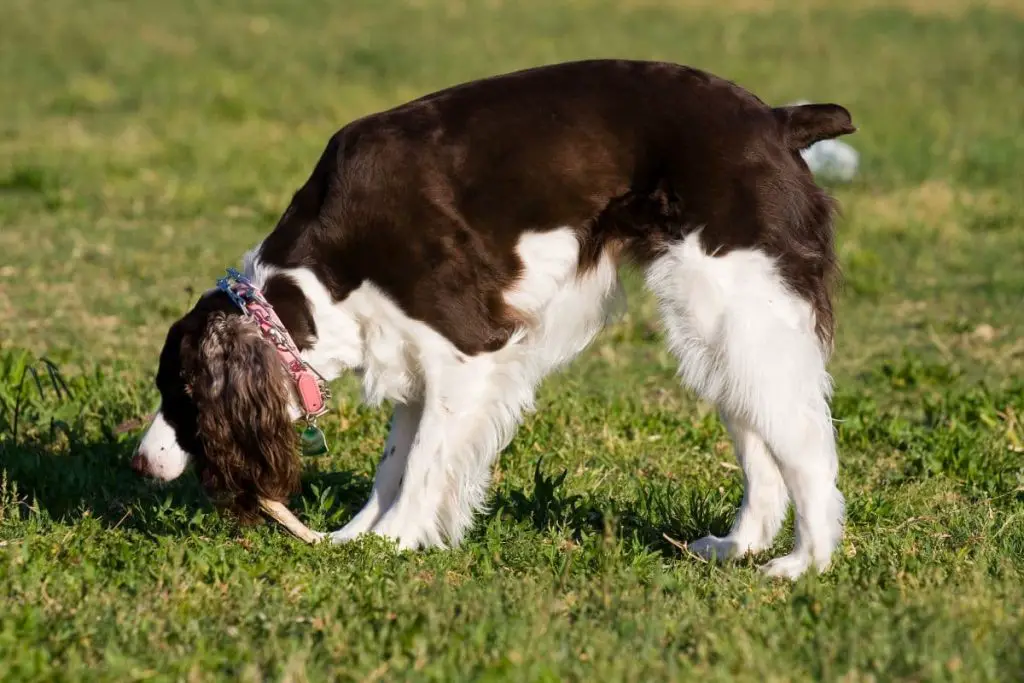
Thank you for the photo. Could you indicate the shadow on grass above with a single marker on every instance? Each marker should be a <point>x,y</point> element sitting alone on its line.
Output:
<point>94,479</point>
<point>79,478</point>
<point>65,479</point>
<point>664,515</point>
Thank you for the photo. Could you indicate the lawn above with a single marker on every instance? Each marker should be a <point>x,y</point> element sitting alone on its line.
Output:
<point>145,145</point>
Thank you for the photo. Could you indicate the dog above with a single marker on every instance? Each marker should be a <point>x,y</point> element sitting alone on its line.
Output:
<point>455,250</point>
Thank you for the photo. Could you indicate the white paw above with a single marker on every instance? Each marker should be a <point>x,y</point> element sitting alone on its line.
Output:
<point>358,525</point>
<point>721,549</point>
<point>407,536</point>
<point>343,535</point>
<point>790,566</point>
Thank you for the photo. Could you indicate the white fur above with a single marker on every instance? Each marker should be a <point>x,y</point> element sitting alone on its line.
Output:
<point>747,342</point>
<point>161,455</point>
<point>390,471</point>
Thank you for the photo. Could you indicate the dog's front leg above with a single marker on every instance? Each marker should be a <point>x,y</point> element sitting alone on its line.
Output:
<point>412,518</point>
<point>388,480</point>
<point>449,470</point>
<point>470,413</point>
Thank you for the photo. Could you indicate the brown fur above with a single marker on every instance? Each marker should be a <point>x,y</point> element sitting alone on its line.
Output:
<point>241,391</point>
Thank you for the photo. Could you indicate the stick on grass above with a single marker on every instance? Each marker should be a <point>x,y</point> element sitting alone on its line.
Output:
<point>283,516</point>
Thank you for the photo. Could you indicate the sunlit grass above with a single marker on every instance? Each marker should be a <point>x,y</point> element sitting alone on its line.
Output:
<point>144,146</point>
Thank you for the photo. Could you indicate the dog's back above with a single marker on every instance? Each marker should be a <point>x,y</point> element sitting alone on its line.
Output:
<point>436,193</point>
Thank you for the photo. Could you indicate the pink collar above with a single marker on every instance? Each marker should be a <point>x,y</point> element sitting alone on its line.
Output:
<point>309,384</point>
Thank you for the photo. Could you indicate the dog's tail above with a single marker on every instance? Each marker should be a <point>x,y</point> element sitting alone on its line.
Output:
<point>805,124</point>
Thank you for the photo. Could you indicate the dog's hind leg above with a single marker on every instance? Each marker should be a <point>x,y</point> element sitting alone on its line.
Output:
<point>404,422</point>
<point>802,439</point>
<point>764,498</point>
<point>747,342</point>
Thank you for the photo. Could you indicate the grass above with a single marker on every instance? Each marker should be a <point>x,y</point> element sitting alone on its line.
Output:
<point>144,146</point>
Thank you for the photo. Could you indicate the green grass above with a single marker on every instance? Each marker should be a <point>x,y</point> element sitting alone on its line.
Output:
<point>144,146</point>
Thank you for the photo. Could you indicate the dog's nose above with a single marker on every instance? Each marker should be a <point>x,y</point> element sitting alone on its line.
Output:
<point>139,464</point>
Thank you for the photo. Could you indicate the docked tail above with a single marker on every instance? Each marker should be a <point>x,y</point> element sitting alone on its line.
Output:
<point>805,124</point>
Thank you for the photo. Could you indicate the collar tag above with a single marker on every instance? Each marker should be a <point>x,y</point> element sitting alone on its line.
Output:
<point>313,441</point>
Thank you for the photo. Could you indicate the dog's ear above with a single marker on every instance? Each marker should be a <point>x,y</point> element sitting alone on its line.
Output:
<point>242,391</point>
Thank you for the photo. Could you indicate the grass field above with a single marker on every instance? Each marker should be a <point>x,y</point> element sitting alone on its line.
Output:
<point>145,145</point>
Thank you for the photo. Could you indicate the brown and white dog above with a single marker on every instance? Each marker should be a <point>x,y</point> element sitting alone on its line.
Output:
<point>455,250</point>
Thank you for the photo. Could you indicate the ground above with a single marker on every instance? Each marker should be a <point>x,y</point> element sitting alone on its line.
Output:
<point>144,146</point>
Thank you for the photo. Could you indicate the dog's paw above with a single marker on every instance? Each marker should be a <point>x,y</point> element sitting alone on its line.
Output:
<point>359,525</point>
<point>407,536</point>
<point>343,535</point>
<point>790,566</point>
<point>346,535</point>
<point>720,549</point>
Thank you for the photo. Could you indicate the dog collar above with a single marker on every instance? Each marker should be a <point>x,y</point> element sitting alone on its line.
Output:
<point>309,384</point>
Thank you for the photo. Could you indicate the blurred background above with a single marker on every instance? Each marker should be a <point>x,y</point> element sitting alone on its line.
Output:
<point>145,145</point>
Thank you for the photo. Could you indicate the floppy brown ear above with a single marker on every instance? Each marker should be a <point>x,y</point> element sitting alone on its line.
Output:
<point>242,395</point>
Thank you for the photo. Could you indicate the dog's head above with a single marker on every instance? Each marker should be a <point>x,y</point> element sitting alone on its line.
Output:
<point>227,406</point>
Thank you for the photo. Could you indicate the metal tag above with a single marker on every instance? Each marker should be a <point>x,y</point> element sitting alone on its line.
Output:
<point>313,441</point>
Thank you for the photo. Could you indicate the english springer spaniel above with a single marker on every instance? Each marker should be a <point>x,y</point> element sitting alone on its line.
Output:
<point>455,250</point>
